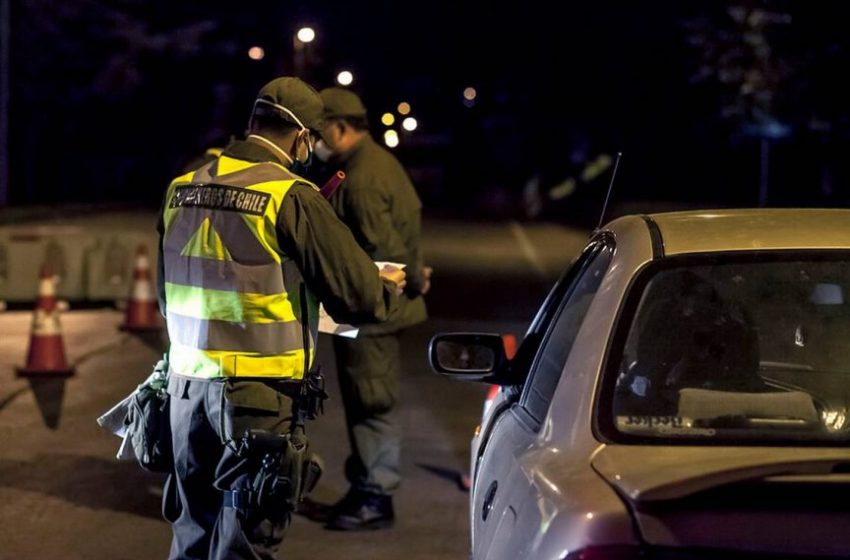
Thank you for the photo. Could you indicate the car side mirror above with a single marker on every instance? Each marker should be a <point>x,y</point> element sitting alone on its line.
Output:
<point>467,356</point>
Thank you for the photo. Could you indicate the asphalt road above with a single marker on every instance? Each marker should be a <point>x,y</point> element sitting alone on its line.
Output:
<point>64,496</point>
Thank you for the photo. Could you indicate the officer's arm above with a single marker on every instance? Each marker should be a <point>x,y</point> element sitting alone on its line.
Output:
<point>372,218</point>
<point>369,213</point>
<point>334,267</point>
<point>415,274</point>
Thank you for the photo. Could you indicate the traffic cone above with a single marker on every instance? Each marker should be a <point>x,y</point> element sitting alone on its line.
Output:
<point>142,313</point>
<point>46,354</point>
<point>509,342</point>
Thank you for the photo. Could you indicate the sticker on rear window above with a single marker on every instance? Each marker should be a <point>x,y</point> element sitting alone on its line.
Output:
<point>661,425</point>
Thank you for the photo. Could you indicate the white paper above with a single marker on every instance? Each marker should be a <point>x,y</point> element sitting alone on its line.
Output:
<point>329,326</point>
<point>113,421</point>
<point>382,264</point>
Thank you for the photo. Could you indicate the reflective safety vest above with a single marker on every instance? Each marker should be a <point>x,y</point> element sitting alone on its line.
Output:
<point>236,304</point>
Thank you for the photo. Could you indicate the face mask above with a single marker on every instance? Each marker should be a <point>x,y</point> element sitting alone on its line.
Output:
<point>300,167</point>
<point>323,152</point>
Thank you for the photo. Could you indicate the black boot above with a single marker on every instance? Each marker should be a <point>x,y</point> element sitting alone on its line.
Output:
<point>359,511</point>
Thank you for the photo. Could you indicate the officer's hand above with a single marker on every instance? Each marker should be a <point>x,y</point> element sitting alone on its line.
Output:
<point>427,271</point>
<point>396,276</point>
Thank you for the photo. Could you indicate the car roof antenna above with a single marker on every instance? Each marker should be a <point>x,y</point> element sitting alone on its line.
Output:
<point>610,188</point>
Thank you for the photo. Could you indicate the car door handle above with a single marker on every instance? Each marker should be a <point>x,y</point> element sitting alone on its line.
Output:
<point>489,499</point>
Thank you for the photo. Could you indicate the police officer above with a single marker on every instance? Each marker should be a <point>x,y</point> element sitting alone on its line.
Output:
<point>377,201</point>
<point>248,248</point>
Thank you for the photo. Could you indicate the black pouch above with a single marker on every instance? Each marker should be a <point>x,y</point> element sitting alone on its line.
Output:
<point>149,430</point>
<point>288,471</point>
<point>302,468</point>
<point>313,468</point>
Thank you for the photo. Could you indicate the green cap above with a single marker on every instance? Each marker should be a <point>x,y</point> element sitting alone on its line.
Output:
<point>340,102</point>
<point>292,100</point>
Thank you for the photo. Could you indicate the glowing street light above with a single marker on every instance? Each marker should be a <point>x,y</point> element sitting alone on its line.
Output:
<point>302,57</point>
<point>409,124</point>
<point>388,119</point>
<point>469,95</point>
<point>344,78</point>
<point>391,138</point>
<point>403,108</point>
<point>256,53</point>
<point>306,34</point>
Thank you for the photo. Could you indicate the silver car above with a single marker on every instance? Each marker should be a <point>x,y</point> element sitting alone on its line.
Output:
<point>683,392</point>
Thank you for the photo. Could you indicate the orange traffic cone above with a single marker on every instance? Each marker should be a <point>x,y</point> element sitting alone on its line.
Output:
<point>142,314</point>
<point>509,342</point>
<point>46,354</point>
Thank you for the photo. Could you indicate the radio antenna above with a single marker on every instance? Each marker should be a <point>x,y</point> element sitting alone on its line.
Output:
<point>610,188</point>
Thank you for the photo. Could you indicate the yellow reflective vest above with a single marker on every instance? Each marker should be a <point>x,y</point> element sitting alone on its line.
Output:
<point>236,305</point>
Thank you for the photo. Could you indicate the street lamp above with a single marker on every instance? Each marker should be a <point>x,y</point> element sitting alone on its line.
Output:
<point>256,53</point>
<point>345,78</point>
<point>300,50</point>
<point>469,95</point>
<point>306,34</point>
<point>409,124</point>
<point>391,138</point>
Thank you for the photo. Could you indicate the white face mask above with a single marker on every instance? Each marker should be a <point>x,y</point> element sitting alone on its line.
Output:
<point>322,151</point>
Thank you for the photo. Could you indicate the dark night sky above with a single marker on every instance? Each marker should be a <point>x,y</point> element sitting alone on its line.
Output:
<point>117,94</point>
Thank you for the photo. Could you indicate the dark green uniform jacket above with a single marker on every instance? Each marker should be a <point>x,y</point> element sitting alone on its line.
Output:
<point>378,202</point>
<point>332,265</point>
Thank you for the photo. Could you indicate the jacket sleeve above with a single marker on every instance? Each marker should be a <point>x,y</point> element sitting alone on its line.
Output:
<point>415,278</point>
<point>370,213</point>
<point>333,266</point>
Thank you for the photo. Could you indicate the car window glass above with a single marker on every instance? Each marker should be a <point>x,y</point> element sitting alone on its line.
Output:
<point>527,350</point>
<point>740,350</point>
<point>559,339</point>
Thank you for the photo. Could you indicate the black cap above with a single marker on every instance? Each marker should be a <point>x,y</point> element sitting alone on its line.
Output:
<point>292,100</point>
<point>340,103</point>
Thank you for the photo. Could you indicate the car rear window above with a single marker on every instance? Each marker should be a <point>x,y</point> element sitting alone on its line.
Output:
<point>748,348</point>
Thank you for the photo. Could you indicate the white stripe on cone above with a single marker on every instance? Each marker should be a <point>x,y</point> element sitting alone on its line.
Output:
<point>47,287</point>
<point>46,323</point>
<point>143,291</point>
<point>142,262</point>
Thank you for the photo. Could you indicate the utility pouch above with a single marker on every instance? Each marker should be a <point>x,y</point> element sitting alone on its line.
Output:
<point>313,469</point>
<point>288,470</point>
<point>289,474</point>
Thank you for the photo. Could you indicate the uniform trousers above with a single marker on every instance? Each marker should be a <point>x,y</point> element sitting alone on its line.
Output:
<point>368,370</point>
<point>208,417</point>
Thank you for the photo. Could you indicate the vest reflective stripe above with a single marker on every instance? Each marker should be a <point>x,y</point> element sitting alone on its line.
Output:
<point>193,362</point>
<point>226,275</point>
<point>233,298</point>
<point>265,338</point>
<point>226,305</point>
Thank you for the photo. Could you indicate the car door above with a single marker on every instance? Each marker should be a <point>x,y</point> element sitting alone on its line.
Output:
<point>500,487</point>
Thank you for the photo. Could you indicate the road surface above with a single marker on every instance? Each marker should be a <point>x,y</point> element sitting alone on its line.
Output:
<point>64,496</point>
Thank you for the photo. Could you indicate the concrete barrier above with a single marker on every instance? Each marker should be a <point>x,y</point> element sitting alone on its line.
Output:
<point>109,264</point>
<point>23,251</point>
<point>91,263</point>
